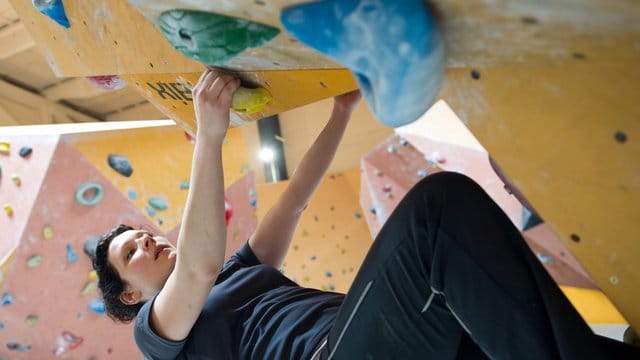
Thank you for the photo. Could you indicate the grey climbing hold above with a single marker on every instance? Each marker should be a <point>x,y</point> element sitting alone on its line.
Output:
<point>25,151</point>
<point>158,203</point>
<point>90,245</point>
<point>18,347</point>
<point>120,163</point>
<point>545,259</point>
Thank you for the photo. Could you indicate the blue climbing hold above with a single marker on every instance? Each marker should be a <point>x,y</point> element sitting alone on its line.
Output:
<point>7,299</point>
<point>72,257</point>
<point>97,306</point>
<point>392,47</point>
<point>25,151</point>
<point>150,211</point>
<point>54,9</point>
<point>185,185</point>
<point>132,194</point>
<point>120,164</point>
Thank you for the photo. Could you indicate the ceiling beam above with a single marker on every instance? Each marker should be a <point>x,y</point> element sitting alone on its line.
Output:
<point>27,107</point>
<point>6,119</point>
<point>14,39</point>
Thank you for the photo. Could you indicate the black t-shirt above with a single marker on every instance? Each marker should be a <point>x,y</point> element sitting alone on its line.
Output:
<point>253,312</point>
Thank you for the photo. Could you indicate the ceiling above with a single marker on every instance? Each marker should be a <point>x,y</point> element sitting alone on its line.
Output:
<point>31,93</point>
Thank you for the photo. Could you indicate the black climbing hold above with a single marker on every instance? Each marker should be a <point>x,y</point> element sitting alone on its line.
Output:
<point>621,137</point>
<point>575,238</point>
<point>25,151</point>
<point>529,219</point>
<point>475,74</point>
<point>579,56</point>
<point>90,246</point>
<point>120,164</point>
<point>529,20</point>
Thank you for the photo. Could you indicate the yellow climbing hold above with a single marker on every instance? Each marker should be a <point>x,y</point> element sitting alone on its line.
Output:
<point>93,275</point>
<point>16,180</point>
<point>31,320</point>
<point>5,148</point>
<point>249,101</point>
<point>47,232</point>
<point>8,209</point>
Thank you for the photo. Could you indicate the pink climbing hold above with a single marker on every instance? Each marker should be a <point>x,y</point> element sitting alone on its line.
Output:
<point>228,211</point>
<point>107,82</point>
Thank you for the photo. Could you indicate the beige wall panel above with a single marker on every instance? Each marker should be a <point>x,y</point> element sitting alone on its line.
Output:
<point>553,131</point>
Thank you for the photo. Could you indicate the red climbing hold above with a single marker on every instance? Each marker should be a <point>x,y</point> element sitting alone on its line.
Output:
<point>228,211</point>
<point>107,82</point>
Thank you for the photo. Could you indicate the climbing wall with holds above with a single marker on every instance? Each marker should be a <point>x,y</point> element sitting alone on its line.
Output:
<point>151,166</point>
<point>439,141</point>
<point>331,239</point>
<point>49,297</point>
<point>172,43</point>
<point>62,199</point>
<point>20,179</point>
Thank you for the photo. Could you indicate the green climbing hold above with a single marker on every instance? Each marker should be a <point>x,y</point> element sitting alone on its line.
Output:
<point>158,203</point>
<point>32,320</point>
<point>211,38</point>
<point>89,193</point>
<point>88,288</point>
<point>34,261</point>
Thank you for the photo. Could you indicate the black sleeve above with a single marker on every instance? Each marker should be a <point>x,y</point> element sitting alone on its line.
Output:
<point>245,256</point>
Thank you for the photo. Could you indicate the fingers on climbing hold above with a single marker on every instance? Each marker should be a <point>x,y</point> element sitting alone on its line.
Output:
<point>250,101</point>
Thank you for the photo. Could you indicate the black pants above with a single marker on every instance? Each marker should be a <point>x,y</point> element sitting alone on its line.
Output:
<point>448,277</point>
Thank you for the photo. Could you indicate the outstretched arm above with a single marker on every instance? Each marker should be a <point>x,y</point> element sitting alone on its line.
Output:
<point>272,238</point>
<point>202,238</point>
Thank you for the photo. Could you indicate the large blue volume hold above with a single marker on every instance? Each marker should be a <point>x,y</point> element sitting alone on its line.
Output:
<point>53,9</point>
<point>392,47</point>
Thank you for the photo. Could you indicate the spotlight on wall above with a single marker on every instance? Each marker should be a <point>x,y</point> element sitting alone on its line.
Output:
<point>266,154</point>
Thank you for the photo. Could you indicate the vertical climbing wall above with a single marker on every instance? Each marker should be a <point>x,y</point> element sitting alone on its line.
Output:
<point>68,194</point>
<point>332,237</point>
